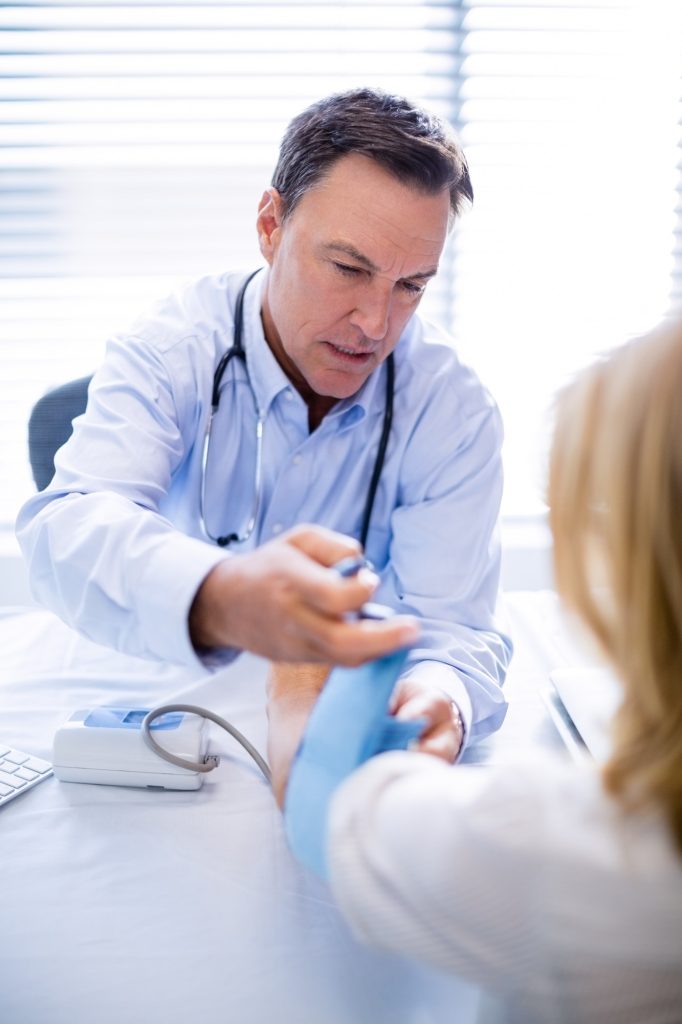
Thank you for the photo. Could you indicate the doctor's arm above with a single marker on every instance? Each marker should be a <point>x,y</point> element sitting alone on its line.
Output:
<point>444,561</point>
<point>99,551</point>
<point>443,569</point>
<point>102,555</point>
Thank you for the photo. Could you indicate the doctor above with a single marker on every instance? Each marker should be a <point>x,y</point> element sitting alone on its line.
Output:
<point>173,526</point>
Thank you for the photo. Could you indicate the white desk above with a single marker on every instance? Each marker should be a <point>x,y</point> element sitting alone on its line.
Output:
<point>121,906</point>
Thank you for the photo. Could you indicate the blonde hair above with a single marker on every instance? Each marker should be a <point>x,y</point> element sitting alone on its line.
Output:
<point>615,494</point>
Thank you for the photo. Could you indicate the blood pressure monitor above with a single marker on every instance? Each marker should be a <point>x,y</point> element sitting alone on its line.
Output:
<point>105,745</point>
<point>164,747</point>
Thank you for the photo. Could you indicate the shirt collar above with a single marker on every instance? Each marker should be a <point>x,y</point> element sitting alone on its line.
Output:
<point>351,410</point>
<point>268,379</point>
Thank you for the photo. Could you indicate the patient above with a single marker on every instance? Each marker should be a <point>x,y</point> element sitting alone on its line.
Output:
<point>558,890</point>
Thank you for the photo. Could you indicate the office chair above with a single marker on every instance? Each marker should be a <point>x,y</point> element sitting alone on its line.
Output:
<point>50,426</point>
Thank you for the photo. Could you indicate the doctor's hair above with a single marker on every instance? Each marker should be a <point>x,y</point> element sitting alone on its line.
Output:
<point>415,146</point>
<point>615,494</point>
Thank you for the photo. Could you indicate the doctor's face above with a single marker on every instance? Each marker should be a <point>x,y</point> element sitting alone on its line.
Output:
<point>347,271</point>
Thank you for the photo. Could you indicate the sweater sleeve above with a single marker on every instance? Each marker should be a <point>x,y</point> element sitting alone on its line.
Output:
<point>440,863</point>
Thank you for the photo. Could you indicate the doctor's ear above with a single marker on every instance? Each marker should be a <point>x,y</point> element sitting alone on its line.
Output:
<point>269,222</point>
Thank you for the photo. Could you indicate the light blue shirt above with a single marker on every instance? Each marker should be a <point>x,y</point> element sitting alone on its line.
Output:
<point>115,545</point>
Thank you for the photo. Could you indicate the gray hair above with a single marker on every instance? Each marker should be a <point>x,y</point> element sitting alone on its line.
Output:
<point>413,145</point>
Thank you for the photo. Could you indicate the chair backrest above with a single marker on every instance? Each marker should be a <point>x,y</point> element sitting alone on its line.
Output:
<point>51,424</point>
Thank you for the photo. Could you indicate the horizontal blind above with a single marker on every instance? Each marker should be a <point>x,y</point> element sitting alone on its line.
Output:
<point>135,142</point>
<point>570,122</point>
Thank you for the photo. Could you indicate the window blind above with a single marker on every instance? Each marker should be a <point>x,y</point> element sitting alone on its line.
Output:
<point>570,119</point>
<point>136,141</point>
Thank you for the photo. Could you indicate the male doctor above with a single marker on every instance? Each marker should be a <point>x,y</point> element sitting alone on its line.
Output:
<point>122,543</point>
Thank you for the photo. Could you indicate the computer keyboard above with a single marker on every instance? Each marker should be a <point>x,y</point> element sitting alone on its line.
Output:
<point>19,772</point>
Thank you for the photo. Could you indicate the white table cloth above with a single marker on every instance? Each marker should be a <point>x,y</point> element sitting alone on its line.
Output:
<point>124,906</point>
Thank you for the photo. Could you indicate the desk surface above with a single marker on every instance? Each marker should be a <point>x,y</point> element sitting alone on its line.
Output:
<point>122,906</point>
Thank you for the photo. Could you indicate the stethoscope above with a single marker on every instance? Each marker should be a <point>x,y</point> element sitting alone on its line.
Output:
<point>237,351</point>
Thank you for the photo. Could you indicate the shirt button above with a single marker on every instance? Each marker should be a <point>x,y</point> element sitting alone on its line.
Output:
<point>288,395</point>
<point>297,460</point>
<point>277,528</point>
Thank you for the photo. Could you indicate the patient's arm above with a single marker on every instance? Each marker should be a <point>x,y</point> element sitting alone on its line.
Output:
<point>292,691</point>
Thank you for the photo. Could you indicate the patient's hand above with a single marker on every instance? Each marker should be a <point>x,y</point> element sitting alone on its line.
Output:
<point>291,691</point>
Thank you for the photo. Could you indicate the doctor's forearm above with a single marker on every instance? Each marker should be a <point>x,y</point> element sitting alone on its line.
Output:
<point>119,574</point>
<point>470,667</point>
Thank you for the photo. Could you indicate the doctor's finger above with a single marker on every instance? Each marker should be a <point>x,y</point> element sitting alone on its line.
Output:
<point>351,643</point>
<point>322,545</point>
<point>325,592</point>
<point>411,703</point>
<point>443,742</point>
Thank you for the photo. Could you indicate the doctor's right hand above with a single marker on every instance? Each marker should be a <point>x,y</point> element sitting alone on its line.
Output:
<point>282,601</point>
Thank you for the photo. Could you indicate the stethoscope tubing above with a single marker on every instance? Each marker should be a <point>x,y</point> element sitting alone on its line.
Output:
<point>237,351</point>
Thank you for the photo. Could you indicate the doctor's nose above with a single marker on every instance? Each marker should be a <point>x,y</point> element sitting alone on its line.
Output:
<point>372,313</point>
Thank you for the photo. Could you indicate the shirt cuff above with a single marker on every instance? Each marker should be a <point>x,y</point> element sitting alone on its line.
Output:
<point>438,676</point>
<point>173,573</point>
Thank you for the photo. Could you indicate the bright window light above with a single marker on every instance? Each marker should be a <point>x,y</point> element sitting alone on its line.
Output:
<point>137,139</point>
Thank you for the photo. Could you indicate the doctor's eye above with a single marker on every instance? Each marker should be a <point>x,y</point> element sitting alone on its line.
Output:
<point>414,288</point>
<point>349,271</point>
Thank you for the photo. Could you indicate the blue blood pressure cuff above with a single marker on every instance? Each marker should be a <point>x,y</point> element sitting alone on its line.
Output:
<point>349,724</point>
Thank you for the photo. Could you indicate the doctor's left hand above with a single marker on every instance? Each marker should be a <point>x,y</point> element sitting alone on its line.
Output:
<point>443,737</point>
<point>293,689</point>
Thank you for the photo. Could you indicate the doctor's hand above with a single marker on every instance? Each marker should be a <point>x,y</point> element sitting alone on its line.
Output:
<point>444,734</point>
<point>284,602</point>
<point>293,689</point>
